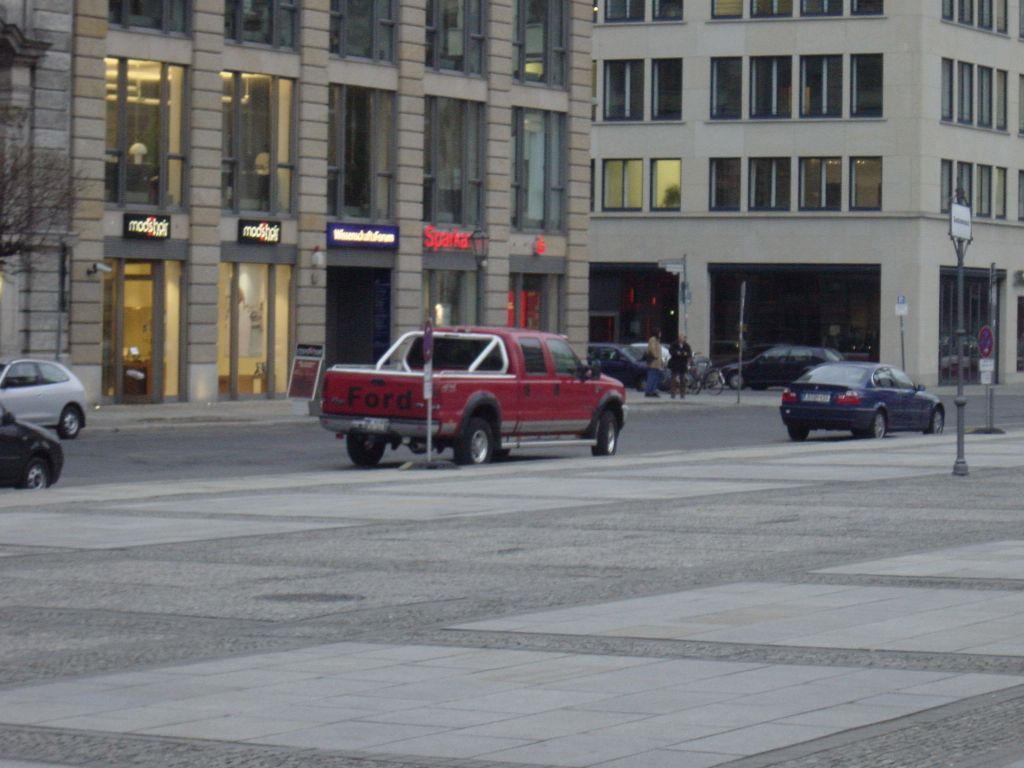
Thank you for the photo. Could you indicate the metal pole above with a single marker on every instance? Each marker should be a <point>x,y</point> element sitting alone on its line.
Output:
<point>903,349</point>
<point>960,465</point>
<point>989,389</point>
<point>62,298</point>
<point>739,361</point>
<point>685,303</point>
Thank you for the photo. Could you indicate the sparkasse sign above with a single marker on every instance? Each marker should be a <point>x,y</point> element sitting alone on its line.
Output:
<point>441,240</point>
<point>260,232</point>
<point>142,226</point>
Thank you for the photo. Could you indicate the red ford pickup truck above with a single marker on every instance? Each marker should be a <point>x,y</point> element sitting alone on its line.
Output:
<point>493,389</point>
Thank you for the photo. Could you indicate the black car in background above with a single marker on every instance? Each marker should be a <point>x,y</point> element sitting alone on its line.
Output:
<point>30,456</point>
<point>778,365</point>
<point>624,363</point>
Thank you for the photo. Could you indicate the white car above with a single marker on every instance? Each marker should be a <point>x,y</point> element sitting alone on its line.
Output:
<point>641,347</point>
<point>43,392</point>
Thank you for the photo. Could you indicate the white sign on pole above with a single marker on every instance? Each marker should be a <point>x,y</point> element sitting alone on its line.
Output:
<point>960,221</point>
<point>902,308</point>
<point>986,365</point>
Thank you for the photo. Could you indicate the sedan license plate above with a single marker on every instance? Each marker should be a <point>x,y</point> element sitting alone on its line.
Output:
<point>816,397</point>
<point>374,425</point>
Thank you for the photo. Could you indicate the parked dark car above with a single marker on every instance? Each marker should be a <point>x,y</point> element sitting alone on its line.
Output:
<point>778,365</point>
<point>868,399</point>
<point>30,456</point>
<point>725,352</point>
<point>623,362</point>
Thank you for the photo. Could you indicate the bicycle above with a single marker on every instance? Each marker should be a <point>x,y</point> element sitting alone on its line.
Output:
<point>714,381</point>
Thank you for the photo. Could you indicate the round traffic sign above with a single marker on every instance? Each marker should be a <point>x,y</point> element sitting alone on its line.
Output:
<point>986,341</point>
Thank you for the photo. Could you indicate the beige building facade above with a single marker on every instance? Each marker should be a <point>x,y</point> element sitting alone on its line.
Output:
<point>260,176</point>
<point>809,149</point>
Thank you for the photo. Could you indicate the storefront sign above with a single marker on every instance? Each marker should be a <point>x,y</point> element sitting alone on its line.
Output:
<point>959,221</point>
<point>147,227</point>
<point>438,240</point>
<point>260,232</point>
<point>305,371</point>
<point>362,236</point>
<point>539,246</point>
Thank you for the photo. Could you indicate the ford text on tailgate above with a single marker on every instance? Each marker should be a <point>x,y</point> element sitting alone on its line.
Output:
<point>493,389</point>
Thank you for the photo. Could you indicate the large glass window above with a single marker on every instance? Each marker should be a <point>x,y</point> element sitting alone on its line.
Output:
<point>866,183</point>
<point>821,7</point>
<point>257,152</point>
<point>538,174</point>
<point>965,11</point>
<point>624,90</point>
<point>947,9</point>
<point>163,15</point>
<point>866,7</point>
<point>668,10</point>
<point>267,22</point>
<point>769,184</point>
<point>945,185</point>
<point>455,35</point>
<point>1020,195</point>
<point>983,206</point>
<point>985,14</point>
<point>999,193</point>
<point>624,10</point>
<point>821,84</point>
<point>965,92</point>
<point>453,169</point>
<point>363,29</point>
<point>360,153</point>
<point>965,181</point>
<point>947,89</point>
<point>540,40</point>
<point>726,9</point>
<point>771,8</point>
<point>623,185</point>
<point>534,301</point>
<point>821,182</point>
<point>449,296</point>
<point>726,88</point>
<point>985,97</point>
<point>771,86</point>
<point>866,85</point>
<point>666,181</point>
<point>667,89</point>
<point>999,97</point>
<point>725,184</point>
<point>145,130</point>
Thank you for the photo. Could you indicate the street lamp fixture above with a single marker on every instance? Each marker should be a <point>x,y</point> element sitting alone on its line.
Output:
<point>481,243</point>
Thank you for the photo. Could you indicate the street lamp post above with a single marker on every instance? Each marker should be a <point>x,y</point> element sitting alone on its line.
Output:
<point>481,244</point>
<point>960,234</point>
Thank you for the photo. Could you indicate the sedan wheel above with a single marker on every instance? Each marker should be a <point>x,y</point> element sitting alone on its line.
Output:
<point>936,423</point>
<point>70,423</point>
<point>798,434</point>
<point>37,475</point>
<point>734,380</point>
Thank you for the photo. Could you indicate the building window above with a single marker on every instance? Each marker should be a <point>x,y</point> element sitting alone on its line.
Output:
<point>534,301</point>
<point>768,181</point>
<point>965,92</point>
<point>624,90</point>
<point>866,7</point>
<point>985,97</point>
<point>947,89</point>
<point>999,193</point>
<point>1001,16</point>
<point>726,9</point>
<point>453,167</point>
<point>821,86</point>
<point>540,39</point>
<point>866,85</point>
<point>162,15</point>
<point>964,181</point>
<point>1020,104</point>
<point>449,296</point>
<point>623,185</point>
<point>455,35</point>
<point>725,184</point>
<point>667,89</point>
<point>945,185</point>
<point>965,14</point>
<point>360,153</point>
<point>363,30</point>
<point>820,183</point>
<point>771,8</point>
<point>538,173</point>
<point>866,183</point>
<point>145,128</point>
<point>947,9</point>
<point>267,22</point>
<point>624,10</point>
<point>983,206</point>
<point>257,149</point>
<point>726,88</point>
<point>668,10</point>
<point>771,86</point>
<point>666,185</point>
<point>1000,99</point>
<point>1020,195</point>
<point>821,7</point>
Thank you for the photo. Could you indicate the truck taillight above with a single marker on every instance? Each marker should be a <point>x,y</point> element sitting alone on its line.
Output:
<point>789,396</point>
<point>849,397</point>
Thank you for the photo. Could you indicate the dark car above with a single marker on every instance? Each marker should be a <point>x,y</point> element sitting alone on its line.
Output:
<point>868,399</point>
<point>624,363</point>
<point>778,365</point>
<point>30,456</point>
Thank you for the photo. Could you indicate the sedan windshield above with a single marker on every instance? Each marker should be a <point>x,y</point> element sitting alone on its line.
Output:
<point>837,375</point>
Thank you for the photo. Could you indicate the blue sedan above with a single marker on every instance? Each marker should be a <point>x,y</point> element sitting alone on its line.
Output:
<point>867,399</point>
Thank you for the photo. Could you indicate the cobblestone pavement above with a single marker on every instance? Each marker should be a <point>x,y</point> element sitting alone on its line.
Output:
<point>829,604</point>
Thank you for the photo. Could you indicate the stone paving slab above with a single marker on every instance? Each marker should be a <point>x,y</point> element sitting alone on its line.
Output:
<point>529,707</point>
<point>992,560</point>
<point>823,616</point>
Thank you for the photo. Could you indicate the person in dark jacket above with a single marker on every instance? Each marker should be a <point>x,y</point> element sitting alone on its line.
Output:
<point>680,355</point>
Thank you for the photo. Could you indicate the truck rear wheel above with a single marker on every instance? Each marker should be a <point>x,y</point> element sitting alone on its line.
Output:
<point>607,435</point>
<point>364,450</point>
<point>476,443</point>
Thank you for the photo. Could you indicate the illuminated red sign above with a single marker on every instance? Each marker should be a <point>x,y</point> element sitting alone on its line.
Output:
<point>455,240</point>
<point>539,246</point>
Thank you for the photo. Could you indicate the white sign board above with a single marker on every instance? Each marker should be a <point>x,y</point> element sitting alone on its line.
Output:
<point>960,221</point>
<point>986,365</point>
<point>902,308</point>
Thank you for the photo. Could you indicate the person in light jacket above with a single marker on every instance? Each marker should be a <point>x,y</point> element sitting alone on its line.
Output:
<point>654,365</point>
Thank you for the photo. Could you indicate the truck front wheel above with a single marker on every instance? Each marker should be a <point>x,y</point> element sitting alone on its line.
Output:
<point>364,450</point>
<point>607,435</point>
<point>475,444</point>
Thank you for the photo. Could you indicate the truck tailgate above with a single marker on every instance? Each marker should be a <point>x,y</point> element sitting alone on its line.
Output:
<point>371,393</point>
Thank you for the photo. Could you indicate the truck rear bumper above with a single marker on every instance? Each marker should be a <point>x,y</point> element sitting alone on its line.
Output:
<point>387,428</point>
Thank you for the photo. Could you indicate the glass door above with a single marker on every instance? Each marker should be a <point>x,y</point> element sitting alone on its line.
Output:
<point>137,358</point>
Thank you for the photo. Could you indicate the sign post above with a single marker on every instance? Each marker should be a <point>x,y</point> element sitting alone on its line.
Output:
<point>960,234</point>
<point>902,310</point>
<point>741,329</point>
<point>428,382</point>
